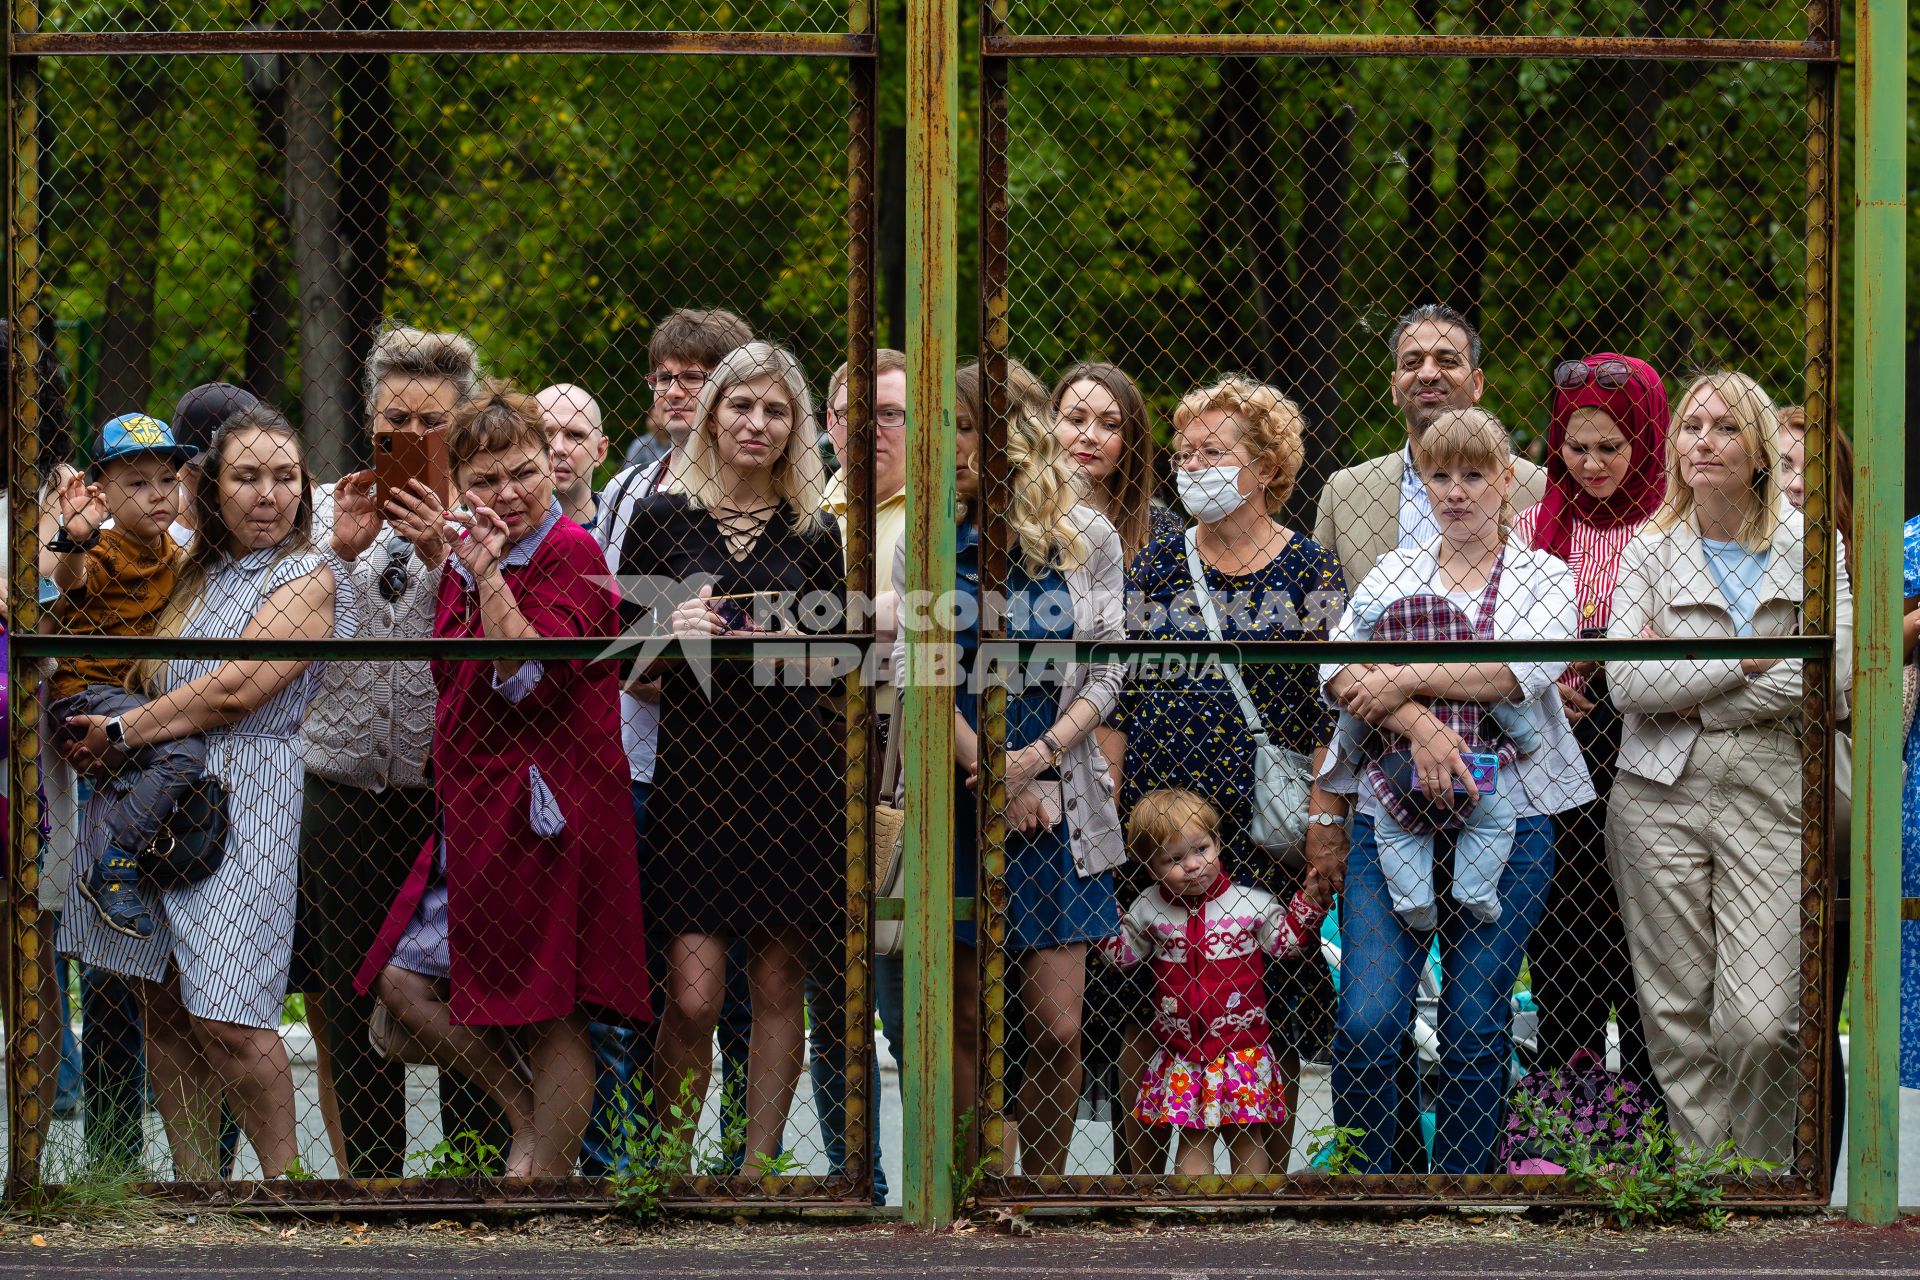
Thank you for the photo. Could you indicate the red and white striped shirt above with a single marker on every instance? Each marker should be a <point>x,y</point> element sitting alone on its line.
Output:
<point>1594,557</point>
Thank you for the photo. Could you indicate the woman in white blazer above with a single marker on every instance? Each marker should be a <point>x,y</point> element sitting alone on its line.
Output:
<point>1703,825</point>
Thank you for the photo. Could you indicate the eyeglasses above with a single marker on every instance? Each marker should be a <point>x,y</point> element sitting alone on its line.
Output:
<point>1205,458</point>
<point>690,380</point>
<point>889,419</point>
<point>432,420</point>
<point>1609,375</point>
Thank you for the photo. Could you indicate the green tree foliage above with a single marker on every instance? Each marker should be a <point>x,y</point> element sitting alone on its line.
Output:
<point>1180,216</point>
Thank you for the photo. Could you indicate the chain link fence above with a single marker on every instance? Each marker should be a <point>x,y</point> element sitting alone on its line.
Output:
<point>587,276</point>
<point>380,831</point>
<point>1300,314</point>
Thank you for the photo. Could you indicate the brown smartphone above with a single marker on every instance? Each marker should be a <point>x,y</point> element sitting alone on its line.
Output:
<point>400,457</point>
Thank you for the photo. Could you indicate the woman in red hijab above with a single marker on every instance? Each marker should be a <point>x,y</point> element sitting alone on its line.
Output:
<point>1606,474</point>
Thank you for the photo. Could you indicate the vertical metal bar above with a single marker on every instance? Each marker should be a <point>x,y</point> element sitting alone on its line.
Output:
<point>1879,326</point>
<point>858,1110</point>
<point>26,1124</point>
<point>1823,974</point>
<point>933,109</point>
<point>990,908</point>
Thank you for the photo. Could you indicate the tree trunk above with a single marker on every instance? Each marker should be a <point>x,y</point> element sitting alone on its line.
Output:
<point>367,141</point>
<point>1253,204</point>
<point>1320,250</point>
<point>269,322</point>
<point>139,89</point>
<point>313,191</point>
<point>890,226</point>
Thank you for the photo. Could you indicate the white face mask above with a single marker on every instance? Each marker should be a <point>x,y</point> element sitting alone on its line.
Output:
<point>1210,494</point>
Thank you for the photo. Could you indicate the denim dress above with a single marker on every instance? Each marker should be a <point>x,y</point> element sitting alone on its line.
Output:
<point>1049,904</point>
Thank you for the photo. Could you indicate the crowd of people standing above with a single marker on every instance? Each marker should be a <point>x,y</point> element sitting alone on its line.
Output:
<point>442,857</point>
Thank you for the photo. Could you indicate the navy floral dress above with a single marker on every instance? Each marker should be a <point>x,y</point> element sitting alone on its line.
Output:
<point>1184,727</point>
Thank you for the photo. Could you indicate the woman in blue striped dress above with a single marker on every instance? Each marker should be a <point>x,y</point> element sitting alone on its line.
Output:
<point>250,573</point>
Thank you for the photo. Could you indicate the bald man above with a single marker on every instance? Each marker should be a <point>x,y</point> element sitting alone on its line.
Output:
<point>578,445</point>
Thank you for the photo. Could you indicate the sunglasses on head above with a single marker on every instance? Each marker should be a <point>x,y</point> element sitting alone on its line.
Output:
<point>1608,375</point>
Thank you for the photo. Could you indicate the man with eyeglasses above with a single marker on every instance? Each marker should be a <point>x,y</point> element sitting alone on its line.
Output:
<point>685,347</point>
<point>1369,509</point>
<point>578,445</point>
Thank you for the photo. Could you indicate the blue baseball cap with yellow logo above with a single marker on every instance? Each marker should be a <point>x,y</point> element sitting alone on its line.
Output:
<point>134,433</point>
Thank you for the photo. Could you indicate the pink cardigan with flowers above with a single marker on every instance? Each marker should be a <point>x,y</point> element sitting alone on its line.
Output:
<point>1209,969</point>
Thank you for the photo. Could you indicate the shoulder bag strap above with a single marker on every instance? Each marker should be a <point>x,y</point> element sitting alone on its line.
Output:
<point>1204,595</point>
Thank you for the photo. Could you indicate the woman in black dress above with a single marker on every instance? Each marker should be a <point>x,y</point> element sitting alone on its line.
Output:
<point>745,821</point>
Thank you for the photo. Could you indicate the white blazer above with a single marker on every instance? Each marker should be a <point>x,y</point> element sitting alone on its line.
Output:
<point>1664,580</point>
<point>1536,602</point>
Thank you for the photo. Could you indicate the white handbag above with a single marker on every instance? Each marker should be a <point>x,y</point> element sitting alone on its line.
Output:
<point>1281,778</point>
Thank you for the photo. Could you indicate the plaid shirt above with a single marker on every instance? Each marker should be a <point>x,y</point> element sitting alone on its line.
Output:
<point>1434,617</point>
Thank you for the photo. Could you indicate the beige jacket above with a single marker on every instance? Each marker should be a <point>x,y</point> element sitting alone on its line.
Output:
<point>1098,590</point>
<point>1359,513</point>
<point>1664,581</point>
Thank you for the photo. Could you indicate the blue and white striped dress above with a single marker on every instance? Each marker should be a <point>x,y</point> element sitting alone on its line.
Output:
<point>231,936</point>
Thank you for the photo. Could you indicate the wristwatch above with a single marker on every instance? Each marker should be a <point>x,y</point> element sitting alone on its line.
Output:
<point>1326,820</point>
<point>64,543</point>
<point>1054,749</point>
<point>116,733</point>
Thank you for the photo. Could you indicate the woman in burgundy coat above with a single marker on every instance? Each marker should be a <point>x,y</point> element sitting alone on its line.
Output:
<point>526,912</point>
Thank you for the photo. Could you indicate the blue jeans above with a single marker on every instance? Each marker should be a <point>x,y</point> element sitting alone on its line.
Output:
<point>619,1055</point>
<point>826,1063</point>
<point>1380,961</point>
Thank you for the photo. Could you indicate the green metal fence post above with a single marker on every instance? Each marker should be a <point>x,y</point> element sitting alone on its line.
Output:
<point>933,105</point>
<point>1879,327</point>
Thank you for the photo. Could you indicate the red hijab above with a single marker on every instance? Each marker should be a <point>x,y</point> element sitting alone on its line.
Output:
<point>1640,410</point>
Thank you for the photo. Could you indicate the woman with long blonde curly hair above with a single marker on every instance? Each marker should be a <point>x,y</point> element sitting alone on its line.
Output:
<point>1064,582</point>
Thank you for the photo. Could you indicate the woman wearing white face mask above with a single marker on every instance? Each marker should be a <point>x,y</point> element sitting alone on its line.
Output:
<point>1238,449</point>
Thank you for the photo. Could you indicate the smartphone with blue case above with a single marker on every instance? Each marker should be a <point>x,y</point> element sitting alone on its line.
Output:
<point>1486,771</point>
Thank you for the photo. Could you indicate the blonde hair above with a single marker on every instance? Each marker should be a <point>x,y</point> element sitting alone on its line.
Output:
<point>1161,817</point>
<point>799,475</point>
<point>1271,426</point>
<point>1752,411</point>
<point>1043,491</point>
<point>1467,438</point>
<point>1042,487</point>
<point>402,351</point>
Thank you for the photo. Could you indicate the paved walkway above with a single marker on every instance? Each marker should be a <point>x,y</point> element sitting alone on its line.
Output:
<point>1837,1252</point>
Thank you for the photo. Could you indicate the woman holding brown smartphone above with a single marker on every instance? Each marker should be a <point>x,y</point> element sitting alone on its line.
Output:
<point>1606,474</point>
<point>368,806</point>
<point>745,825</point>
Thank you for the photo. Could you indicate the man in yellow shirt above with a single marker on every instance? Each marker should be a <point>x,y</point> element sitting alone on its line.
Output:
<point>889,473</point>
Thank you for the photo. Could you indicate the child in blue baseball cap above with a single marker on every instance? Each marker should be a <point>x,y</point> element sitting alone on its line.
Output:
<point>115,570</point>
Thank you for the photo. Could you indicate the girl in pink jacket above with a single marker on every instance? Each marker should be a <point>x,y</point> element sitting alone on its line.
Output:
<point>1207,938</point>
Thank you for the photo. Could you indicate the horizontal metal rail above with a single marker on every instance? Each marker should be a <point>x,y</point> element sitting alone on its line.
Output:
<point>422,1194</point>
<point>1637,48</point>
<point>1252,653</point>
<point>1229,1191</point>
<point>725,43</point>
<point>896,908</point>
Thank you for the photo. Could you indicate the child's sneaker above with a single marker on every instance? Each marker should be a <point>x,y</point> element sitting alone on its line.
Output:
<point>110,888</point>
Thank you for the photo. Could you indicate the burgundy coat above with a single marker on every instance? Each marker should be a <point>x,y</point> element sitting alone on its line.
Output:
<point>537,925</point>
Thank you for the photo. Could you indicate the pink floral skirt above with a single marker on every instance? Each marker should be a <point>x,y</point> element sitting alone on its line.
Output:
<point>1242,1086</point>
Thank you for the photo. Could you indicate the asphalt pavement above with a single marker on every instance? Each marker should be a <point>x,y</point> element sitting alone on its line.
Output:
<point>1832,1252</point>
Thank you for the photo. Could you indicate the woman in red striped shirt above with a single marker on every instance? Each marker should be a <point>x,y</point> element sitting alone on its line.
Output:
<point>1606,474</point>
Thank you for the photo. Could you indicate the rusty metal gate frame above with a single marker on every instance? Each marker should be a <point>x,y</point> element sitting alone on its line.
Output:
<point>1002,52</point>
<point>27,44</point>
